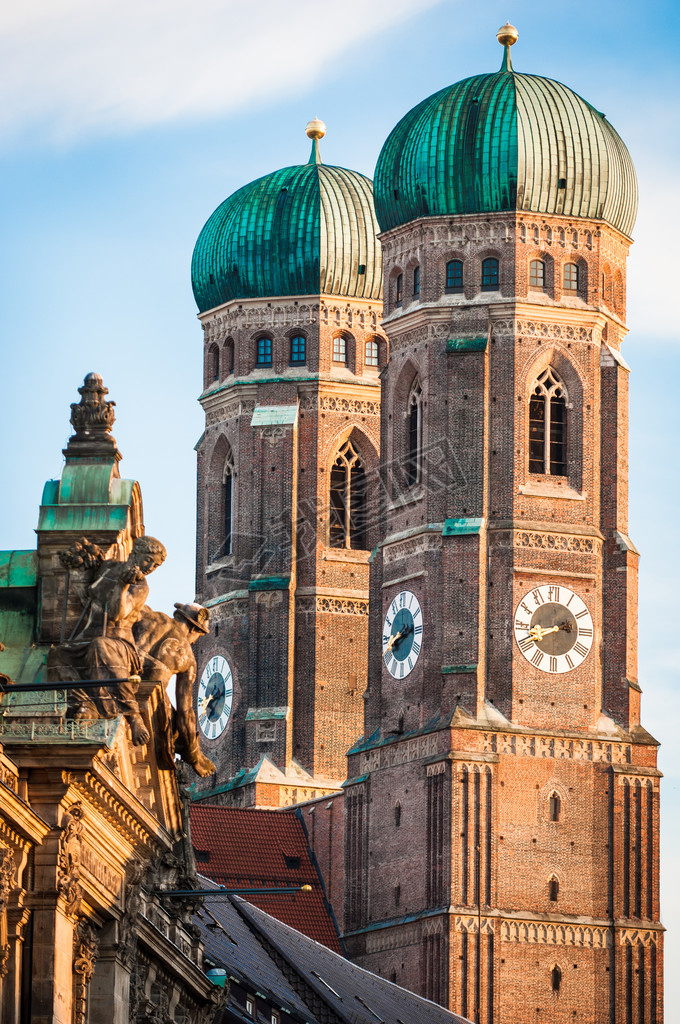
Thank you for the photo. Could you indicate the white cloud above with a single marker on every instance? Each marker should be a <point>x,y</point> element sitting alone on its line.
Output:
<point>69,66</point>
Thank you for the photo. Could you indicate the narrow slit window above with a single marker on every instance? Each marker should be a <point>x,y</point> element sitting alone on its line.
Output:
<point>371,353</point>
<point>570,277</point>
<point>555,807</point>
<point>490,275</point>
<point>454,276</point>
<point>537,274</point>
<point>264,352</point>
<point>214,363</point>
<point>556,979</point>
<point>416,280</point>
<point>347,526</point>
<point>553,889</point>
<point>414,439</point>
<point>298,349</point>
<point>229,356</point>
<point>339,349</point>
<point>399,289</point>
<point>548,426</point>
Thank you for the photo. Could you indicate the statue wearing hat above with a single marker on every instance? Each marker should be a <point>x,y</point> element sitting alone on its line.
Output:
<point>164,646</point>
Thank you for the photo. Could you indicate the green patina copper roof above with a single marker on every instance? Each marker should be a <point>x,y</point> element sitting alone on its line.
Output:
<point>505,141</point>
<point>304,230</point>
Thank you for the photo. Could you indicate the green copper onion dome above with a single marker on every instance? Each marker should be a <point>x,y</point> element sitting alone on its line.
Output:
<point>505,141</point>
<point>304,230</point>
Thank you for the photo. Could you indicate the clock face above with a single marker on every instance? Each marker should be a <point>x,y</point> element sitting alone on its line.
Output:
<point>215,694</point>
<point>553,628</point>
<point>402,634</point>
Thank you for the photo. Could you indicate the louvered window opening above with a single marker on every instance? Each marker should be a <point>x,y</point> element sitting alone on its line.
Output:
<point>454,276</point>
<point>548,426</point>
<point>414,438</point>
<point>348,500</point>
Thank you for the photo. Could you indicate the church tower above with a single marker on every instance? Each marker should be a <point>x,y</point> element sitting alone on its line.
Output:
<point>287,275</point>
<point>502,807</point>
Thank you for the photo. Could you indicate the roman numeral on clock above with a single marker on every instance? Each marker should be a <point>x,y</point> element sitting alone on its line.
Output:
<point>580,649</point>
<point>585,632</point>
<point>526,643</point>
<point>537,658</point>
<point>553,664</point>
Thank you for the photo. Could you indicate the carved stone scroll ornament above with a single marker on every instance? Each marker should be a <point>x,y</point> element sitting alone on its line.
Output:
<point>85,953</point>
<point>68,863</point>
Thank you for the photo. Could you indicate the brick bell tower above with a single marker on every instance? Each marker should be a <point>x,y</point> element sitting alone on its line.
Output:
<point>502,807</point>
<point>287,274</point>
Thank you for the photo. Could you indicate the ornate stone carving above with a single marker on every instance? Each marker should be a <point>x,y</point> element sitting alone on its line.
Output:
<point>330,403</point>
<point>537,329</point>
<point>85,953</point>
<point>398,753</point>
<point>164,644</point>
<point>68,863</point>
<point>333,605</point>
<point>546,541</point>
<point>411,546</point>
<point>92,419</point>
<point>472,925</point>
<point>556,934</point>
<point>104,648</point>
<point>7,875</point>
<point>558,747</point>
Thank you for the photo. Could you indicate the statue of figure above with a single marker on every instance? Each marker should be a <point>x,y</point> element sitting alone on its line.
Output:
<point>105,646</point>
<point>164,645</point>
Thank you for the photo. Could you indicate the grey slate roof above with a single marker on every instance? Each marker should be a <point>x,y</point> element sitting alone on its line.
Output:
<point>309,980</point>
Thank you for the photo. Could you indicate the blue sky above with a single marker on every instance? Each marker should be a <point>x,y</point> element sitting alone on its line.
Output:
<point>124,123</point>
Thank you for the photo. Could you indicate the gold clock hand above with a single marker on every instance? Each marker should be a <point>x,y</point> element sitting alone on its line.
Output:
<point>393,639</point>
<point>537,632</point>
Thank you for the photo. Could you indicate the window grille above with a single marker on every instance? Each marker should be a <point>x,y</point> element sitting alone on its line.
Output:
<point>339,349</point>
<point>298,349</point>
<point>548,425</point>
<point>348,500</point>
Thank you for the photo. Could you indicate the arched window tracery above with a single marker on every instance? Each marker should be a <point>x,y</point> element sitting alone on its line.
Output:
<point>347,526</point>
<point>228,500</point>
<point>548,425</point>
<point>414,438</point>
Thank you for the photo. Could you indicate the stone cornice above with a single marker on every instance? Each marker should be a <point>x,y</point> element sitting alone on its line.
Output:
<point>284,310</point>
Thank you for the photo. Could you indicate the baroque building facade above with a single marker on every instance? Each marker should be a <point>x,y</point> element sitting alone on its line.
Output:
<point>501,803</point>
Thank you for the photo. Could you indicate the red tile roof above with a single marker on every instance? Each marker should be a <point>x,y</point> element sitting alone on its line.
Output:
<point>249,847</point>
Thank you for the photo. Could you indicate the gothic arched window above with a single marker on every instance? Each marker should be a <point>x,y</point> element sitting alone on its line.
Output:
<point>555,979</point>
<point>537,274</point>
<point>414,438</point>
<point>228,356</point>
<point>490,275</point>
<point>347,527</point>
<point>548,425</point>
<point>228,499</point>
<point>454,276</point>
<point>553,889</point>
<point>213,364</point>
<point>555,807</point>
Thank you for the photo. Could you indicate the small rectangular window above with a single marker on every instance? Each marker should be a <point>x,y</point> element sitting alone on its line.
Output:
<point>298,349</point>
<point>264,352</point>
<point>276,1017</point>
<point>339,349</point>
<point>371,353</point>
<point>250,1006</point>
<point>571,277</point>
<point>537,274</point>
<point>490,275</point>
<point>454,276</point>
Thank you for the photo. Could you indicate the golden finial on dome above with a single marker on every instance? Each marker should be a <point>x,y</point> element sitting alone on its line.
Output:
<point>507,36</point>
<point>315,129</point>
